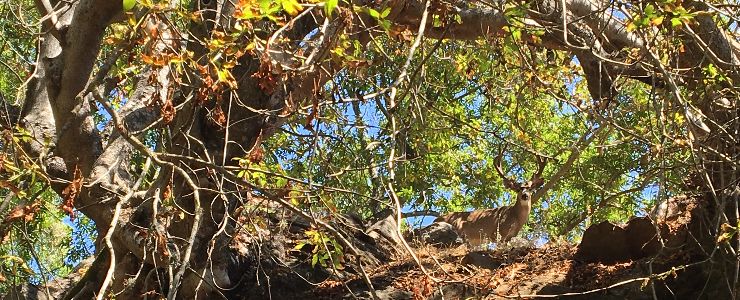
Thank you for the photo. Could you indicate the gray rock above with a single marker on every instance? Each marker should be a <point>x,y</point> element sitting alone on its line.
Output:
<point>438,234</point>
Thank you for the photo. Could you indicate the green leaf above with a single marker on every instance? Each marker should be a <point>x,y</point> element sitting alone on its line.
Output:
<point>128,4</point>
<point>516,34</point>
<point>649,10</point>
<point>314,260</point>
<point>330,6</point>
<point>373,13</point>
<point>385,12</point>
<point>437,21</point>
<point>458,19</point>
<point>676,22</point>
<point>385,24</point>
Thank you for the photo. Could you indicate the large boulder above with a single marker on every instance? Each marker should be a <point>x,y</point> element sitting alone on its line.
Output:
<point>439,234</point>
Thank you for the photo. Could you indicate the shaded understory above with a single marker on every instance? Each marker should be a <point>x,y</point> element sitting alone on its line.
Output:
<point>642,259</point>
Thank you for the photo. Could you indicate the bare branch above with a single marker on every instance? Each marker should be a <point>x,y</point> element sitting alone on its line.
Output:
<point>50,17</point>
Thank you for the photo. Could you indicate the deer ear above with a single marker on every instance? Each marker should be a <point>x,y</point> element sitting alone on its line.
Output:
<point>537,182</point>
<point>511,184</point>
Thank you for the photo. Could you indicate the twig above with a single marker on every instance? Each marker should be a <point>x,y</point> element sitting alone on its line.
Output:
<point>120,126</point>
<point>575,153</point>
<point>404,70</point>
<point>419,213</point>
<point>109,244</point>
<point>48,12</point>
<point>112,228</point>
<point>394,131</point>
<point>648,278</point>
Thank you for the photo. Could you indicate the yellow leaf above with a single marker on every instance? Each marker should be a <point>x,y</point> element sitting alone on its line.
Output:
<point>226,77</point>
<point>631,27</point>
<point>657,21</point>
<point>292,7</point>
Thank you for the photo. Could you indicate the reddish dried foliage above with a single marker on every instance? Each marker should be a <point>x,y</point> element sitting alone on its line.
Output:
<point>256,155</point>
<point>265,79</point>
<point>168,112</point>
<point>167,192</point>
<point>162,244</point>
<point>218,116</point>
<point>25,212</point>
<point>312,115</point>
<point>70,193</point>
<point>208,87</point>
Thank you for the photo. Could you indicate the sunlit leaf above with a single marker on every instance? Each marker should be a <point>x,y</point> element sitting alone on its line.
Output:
<point>128,4</point>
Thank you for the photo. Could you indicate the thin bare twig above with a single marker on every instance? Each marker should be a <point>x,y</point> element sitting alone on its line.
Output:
<point>113,224</point>
<point>394,132</point>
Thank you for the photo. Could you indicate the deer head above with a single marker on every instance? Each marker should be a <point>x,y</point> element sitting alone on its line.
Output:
<point>523,190</point>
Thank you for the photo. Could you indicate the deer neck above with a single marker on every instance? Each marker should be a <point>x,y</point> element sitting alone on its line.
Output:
<point>522,207</point>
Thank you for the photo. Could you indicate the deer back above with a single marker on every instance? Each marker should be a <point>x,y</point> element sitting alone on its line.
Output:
<point>456,219</point>
<point>480,225</point>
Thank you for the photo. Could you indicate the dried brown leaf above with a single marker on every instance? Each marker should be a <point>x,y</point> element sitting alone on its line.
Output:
<point>70,193</point>
<point>168,112</point>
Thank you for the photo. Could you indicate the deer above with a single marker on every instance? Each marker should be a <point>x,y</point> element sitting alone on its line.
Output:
<point>502,223</point>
